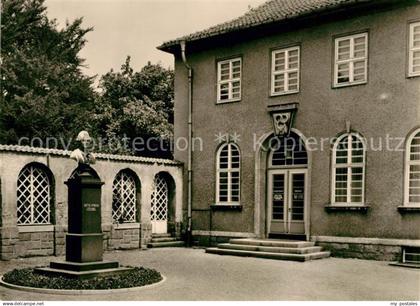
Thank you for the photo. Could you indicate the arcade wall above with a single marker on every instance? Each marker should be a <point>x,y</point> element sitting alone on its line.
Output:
<point>42,232</point>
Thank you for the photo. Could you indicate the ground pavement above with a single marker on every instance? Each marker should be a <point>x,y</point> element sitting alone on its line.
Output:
<point>194,275</point>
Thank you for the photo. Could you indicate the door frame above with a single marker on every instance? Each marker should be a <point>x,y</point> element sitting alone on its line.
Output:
<point>287,172</point>
<point>160,226</point>
<point>269,195</point>
<point>262,165</point>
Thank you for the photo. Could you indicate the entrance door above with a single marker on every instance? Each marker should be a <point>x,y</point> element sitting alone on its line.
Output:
<point>159,206</point>
<point>287,195</point>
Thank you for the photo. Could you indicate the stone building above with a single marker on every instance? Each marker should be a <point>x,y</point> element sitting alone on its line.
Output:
<point>328,81</point>
<point>140,197</point>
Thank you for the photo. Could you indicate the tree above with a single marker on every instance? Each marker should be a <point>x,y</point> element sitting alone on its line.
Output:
<point>43,91</point>
<point>137,107</point>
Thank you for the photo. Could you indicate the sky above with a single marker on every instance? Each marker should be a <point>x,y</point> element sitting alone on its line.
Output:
<point>137,27</point>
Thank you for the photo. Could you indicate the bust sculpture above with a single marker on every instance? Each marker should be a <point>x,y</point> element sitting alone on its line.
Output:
<point>83,157</point>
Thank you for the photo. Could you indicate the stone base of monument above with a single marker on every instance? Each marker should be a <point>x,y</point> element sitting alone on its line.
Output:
<point>84,241</point>
<point>84,247</point>
<point>84,270</point>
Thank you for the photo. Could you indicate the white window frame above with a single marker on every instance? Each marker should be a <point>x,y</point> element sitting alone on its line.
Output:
<point>300,144</point>
<point>409,163</point>
<point>349,165</point>
<point>411,50</point>
<point>229,81</point>
<point>285,71</point>
<point>122,176</point>
<point>228,170</point>
<point>32,197</point>
<point>351,60</point>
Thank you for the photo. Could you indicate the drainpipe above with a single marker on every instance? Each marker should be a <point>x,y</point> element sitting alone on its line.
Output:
<point>190,134</point>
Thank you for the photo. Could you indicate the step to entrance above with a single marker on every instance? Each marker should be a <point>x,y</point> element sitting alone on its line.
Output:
<point>270,248</point>
<point>255,248</point>
<point>288,236</point>
<point>273,242</point>
<point>164,241</point>
<point>166,235</point>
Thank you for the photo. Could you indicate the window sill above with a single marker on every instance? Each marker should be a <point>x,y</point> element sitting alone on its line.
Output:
<point>349,207</point>
<point>286,93</point>
<point>35,228</point>
<point>219,102</point>
<point>126,225</point>
<point>410,76</point>
<point>344,85</point>
<point>224,207</point>
<point>408,209</point>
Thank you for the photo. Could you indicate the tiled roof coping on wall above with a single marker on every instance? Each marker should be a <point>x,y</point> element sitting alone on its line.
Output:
<point>114,157</point>
<point>268,12</point>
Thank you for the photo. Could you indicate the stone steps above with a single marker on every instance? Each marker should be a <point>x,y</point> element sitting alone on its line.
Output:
<point>166,235</point>
<point>270,248</point>
<point>244,247</point>
<point>269,255</point>
<point>273,243</point>
<point>164,241</point>
<point>166,244</point>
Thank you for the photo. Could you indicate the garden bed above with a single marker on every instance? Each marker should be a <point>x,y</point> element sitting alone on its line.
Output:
<point>137,277</point>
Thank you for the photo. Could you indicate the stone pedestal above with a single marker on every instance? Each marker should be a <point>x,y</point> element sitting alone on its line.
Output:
<point>84,238</point>
<point>84,247</point>
<point>84,241</point>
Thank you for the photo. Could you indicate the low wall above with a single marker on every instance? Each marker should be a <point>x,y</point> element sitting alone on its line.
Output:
<point>365,248</point>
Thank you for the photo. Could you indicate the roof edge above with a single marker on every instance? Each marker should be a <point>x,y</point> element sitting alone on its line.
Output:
<point>171,45</point>
<point>105,156</point>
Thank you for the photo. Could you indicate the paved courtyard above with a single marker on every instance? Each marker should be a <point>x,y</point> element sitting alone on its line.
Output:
<point>194,275</point>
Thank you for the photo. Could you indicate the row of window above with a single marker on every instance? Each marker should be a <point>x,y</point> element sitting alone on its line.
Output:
<point>348,168</point>
<point>35,195</point>
<point>350,66</point>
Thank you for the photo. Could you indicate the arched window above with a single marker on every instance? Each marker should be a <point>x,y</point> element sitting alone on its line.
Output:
<point>288,151</point>
<point>348,177</point>
<point>412,170</point>
<point>33,196</point>
<point>124,197</point>
<point>228,174</point>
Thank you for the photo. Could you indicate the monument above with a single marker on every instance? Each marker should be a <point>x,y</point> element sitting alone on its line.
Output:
<point>84,241</point>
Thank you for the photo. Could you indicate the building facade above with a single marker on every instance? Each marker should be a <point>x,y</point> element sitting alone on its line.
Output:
<point>140,197</point>
<point>307,120</point>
